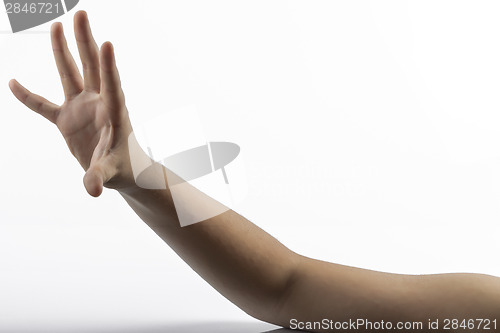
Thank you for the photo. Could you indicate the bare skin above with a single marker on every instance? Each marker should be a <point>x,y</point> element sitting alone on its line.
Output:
<point>244,263</point>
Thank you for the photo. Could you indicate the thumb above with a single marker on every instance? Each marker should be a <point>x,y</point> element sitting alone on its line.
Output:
<point>97,175</point>
<point>94,181</point>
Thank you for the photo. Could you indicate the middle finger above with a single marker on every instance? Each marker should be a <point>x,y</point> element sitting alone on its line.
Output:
<point>70,76</point>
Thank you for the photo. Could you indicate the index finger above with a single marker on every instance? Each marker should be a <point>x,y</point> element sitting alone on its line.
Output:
<point>111,89</point>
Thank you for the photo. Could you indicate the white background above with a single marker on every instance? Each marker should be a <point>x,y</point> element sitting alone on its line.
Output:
<point>369,130</point>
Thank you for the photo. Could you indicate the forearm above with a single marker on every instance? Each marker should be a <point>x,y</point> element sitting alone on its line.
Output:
<point>241,261</point>
<point>268,281</point>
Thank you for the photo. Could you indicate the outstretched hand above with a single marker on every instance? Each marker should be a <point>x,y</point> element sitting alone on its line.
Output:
<point>93,118</point>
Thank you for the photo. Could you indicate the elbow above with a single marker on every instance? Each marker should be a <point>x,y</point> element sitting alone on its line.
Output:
<point>277,309</point>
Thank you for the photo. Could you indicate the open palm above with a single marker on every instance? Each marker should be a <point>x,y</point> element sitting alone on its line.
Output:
<point>93,119</point>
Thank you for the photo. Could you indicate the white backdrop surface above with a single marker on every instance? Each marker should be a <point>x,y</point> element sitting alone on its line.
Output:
<point>369,132</point>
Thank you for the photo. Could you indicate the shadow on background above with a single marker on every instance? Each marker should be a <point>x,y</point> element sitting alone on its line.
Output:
<point>209,327</point>
<point>196,327</point>
<point>202,327</point>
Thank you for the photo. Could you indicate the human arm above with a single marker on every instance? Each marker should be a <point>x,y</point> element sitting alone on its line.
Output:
<point>245,264</point>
